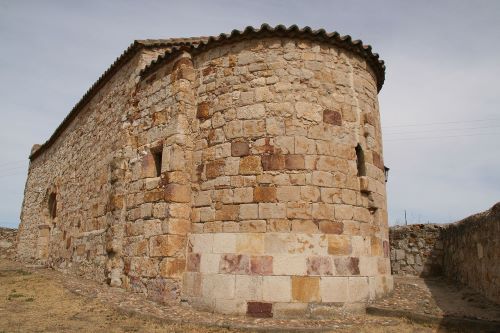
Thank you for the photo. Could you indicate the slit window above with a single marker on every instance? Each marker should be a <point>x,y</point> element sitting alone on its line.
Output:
<point>158,156</point>
<point>360,161</point>
<point>52,205</point>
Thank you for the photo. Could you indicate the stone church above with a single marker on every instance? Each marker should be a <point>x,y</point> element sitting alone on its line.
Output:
<point>241,173</point>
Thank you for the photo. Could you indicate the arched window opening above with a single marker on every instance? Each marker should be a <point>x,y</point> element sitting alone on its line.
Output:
<point>52,205</point>
<point>360,161</point>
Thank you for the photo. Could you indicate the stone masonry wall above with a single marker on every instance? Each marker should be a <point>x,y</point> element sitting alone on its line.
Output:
<point>281,219</point>
<point>416,249</point>
<point>84,171</point>
<point>472,252</point>
<point>7,243</point>
<point>247,178</point>
<point>467,251</point>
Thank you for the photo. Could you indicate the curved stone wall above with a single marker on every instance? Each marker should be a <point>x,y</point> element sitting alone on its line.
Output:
<point>283,215</point>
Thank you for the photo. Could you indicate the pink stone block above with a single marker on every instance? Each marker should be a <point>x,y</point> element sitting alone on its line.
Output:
<point>193,262</point>
<point>319,265</point>
<point>234,264</point>
<point>261,265</point>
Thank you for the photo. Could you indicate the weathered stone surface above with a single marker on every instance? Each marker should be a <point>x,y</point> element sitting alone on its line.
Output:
<point>305,289</point>
<point>222,175</point>
<point>260,309</point>
<point>234,264</point>
<point>332,117</point>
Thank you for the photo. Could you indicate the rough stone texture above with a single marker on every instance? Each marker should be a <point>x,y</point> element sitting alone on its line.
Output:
<point>467,251</point>
<point>472,252</point>
<point>8,243</point>
<point>416,249</point>
<point>223,177</point>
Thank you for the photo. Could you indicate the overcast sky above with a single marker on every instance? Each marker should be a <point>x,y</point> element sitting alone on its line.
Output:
<point>439,105</point>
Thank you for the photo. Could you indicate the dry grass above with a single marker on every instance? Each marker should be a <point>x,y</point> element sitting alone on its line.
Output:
<point>34,303</point>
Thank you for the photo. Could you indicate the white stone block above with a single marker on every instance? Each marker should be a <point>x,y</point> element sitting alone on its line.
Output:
<point>277,289</point>
<point>248,287</point>
<point>334,289</point>
<point>358,289</point>
<point>224,243</point>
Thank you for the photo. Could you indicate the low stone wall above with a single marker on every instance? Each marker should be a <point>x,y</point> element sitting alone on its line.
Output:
<point>416,249</point>
<point>472,252</point>
<point>7,243</point>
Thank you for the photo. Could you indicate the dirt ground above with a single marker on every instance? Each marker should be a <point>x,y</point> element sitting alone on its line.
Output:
<point>31,301</point>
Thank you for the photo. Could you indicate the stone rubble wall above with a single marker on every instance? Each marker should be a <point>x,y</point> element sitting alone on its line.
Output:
<point>467,251</point>
<point>472,252</point>
<point>416,249</point>
<point>8,243</point>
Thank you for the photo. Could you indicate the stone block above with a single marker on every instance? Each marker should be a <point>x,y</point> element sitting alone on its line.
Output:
<point>203,110</point>
<point>319,265</point>
<point>152,228</point>
<point>264,194</point>
<point>249,211</point>
<point>142,266</point>
<point>304,226</point>
<point>193,262</point>
<point>259,309</point>
<point>214,169</point>
<point>261,265</point>
<point>273,162</point>
<point>344,212</point>
<point>290,310</point>
<point>334,289</point>
<point>308,111</point>
<point>179,226</point>
<point>227,213</point>
<point>331,227</point>
<point>252,111</point>
<point>289,264</point>
<point>294,162</point>
<point>272,210</point>
<point>309,193</point>
<point>167,245</point>
<point>358,289</point>
<point>323,211</point>
<point>201,243</point>
<point>191,284</point>
<point>240,149</point>
<point>243,195</point>
<point>347,266</point>
<point>250,165</point>
<point>276,288</point>
<point>299,210</point>
<point>234,264</point>
<point>209,263</point>
<point>224,243</point>
<point>249,287</point>
<point>322,178</point>
<point>253,226</point>
<point>288,193</point>
<point>278,225</point>
<point>332,117</point>
<point>218,286</point>
<point>250,243</point>
<point>305,289</point>
<point>339,245</point>
<point>172,267</point>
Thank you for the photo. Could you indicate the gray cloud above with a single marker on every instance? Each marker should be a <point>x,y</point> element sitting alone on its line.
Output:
<point>442,66</point>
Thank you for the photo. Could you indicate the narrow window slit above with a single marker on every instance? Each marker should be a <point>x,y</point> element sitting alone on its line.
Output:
<point>158,155</point>
<point>360,161</point>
